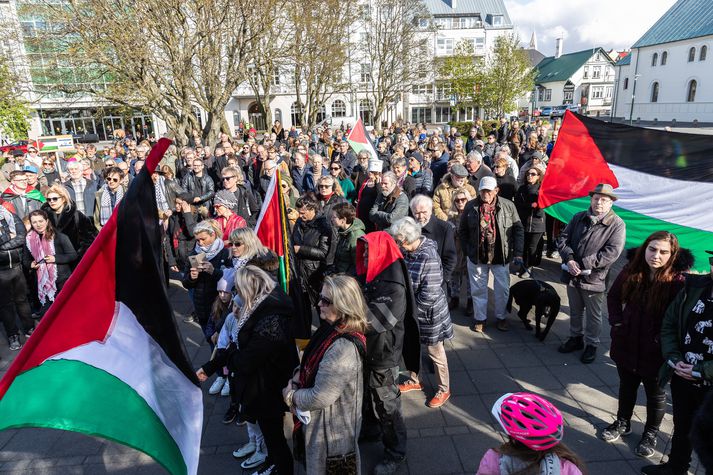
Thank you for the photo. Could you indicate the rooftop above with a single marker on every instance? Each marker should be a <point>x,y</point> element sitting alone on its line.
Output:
<point>486,8</point>
<point>685,19</point>
<point>553,69</point>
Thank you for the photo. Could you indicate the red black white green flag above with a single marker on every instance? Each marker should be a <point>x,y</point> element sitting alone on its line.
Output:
<point>273,230</point>
<point>106,359</point>
<point>359,139</point>
<point>664,180</point>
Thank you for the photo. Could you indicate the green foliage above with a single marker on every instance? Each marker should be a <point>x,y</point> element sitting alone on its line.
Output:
<point>509,75</point>
<point>14,112</point>
<point>464,127</point>
<point>465,73</point>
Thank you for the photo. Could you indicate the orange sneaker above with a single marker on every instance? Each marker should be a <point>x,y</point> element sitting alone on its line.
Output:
<point>410,386</point>
<point>439,399</point>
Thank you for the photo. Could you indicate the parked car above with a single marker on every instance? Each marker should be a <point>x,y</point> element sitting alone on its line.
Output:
<point>558,111</point>
<point>19,145</point>
<point>545,111</point>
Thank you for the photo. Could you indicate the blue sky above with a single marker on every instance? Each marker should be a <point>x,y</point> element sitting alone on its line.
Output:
<point>585,23</point>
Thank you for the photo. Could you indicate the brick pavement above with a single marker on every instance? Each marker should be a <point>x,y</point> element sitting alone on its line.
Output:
<point>448,440</point>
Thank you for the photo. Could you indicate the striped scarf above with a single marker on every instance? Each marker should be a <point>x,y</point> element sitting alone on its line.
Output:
<point>105,207</point>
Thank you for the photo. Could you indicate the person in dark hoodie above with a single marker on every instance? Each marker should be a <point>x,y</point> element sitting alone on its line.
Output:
<point>392,334</point>
<point>636,302</point>
<point>686,342</point>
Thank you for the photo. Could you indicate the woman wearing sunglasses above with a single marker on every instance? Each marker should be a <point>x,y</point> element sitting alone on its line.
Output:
<point>68,220</point>
<point>108,196</point>
<point>531,215</point>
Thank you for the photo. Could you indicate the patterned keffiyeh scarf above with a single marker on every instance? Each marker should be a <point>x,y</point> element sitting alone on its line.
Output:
<point>46,272</point>
<point>487,230</point>
<point>105,208</point>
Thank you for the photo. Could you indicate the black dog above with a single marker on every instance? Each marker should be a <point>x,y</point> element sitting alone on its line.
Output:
<point>541,295</point>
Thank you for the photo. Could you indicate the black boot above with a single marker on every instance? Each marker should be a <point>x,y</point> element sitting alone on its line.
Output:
<point>573,343</point>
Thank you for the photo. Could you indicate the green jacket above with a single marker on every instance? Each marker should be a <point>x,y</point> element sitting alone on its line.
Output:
<point>345,254</point>
<point>675,322</point>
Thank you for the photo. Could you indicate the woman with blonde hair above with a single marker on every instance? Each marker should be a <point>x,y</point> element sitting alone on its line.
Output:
<point>328,389</point>
<point>461,197</point>
<point>68,220</point>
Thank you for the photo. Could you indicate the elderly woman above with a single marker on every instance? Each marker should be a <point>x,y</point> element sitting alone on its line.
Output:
<point>66,219</point>
<point>390,205</point>
<point>262,358</point>
<point>532,216</point>
<point>330,382</point>
<point>349,229</point>
<point>330,194</point>
<point>434,319</point>
<point>460,273</point>
<point>224,205</point>
<point>247,249</point>
<point>203,271</point>
<point>456,179</point>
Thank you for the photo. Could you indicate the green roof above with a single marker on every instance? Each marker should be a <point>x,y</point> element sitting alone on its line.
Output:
<point>553,69</point>
<point>686,19</point>
<point>626,60</point>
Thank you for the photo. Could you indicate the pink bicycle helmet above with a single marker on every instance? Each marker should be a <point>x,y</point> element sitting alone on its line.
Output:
<point>529,419</point>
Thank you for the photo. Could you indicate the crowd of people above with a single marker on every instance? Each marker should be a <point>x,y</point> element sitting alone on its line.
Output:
<point>384,248</point>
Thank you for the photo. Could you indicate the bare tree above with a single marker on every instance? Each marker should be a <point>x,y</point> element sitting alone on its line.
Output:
<point>395,44</point>
<point>319,53</point>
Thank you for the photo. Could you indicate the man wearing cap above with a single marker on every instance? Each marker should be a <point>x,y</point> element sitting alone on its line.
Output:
<point>443,194</point>
<point>492,236</point>
<point>32,174</point>
<point>16,161</point>
<point>590,243</point>
<point>476,168</point>
<point>422,177</point>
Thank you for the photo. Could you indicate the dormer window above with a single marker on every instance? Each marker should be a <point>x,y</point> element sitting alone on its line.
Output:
<point>497,20</point>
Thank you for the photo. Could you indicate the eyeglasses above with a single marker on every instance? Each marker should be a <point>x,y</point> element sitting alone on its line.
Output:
<point>336,168</point>
<point>325,300</point>
<point>47,164</point>
<point>532,174</point>
<point>461,200</point>
<point>324,186</point>
<point>52,199</point>
<point>113,180</point>
<point>225,178</point>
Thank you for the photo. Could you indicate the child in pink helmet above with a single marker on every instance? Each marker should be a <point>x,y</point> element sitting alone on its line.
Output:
<point>535,429</point>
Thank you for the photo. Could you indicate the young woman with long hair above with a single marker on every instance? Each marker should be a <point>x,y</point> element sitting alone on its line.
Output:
<point>637,302</point>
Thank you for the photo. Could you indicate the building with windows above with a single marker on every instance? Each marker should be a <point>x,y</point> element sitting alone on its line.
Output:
<point>668,76</point>
<point>584,80</point>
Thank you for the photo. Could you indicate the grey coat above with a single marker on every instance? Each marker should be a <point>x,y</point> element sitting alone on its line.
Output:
<point>594,246</point>
<point>334,403</point>
<point>384,213</point>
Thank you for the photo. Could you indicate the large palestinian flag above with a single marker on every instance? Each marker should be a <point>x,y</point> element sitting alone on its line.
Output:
<point>664,180</point>
<point>359,139</point>
<point>106,359</point>
<point>272,229</point>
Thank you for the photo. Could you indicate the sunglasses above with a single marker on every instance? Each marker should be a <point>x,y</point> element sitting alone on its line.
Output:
<point>325,300</point>
<point>237,243</point>
<point>336,168</point>
<point>324,186</point>
<point>47,164</point>
<point>532,174</point>
<point>114,180</point>
<point>228,177</point>
<point>461,200</point>
<point>52,199</point>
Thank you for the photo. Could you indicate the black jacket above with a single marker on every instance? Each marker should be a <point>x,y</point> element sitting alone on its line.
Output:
<point>443,233</point>
<point>247,205</point>
<point>511,235</point>
<point>205,286</point>
<point>180,237</point>
<point>264,358</point>
<point>65,256</point>
<point>11,247</point>
<point>474,179</point>
<point>201,187</point>
<point>315,241</point>
<point>533,219</point>
<point>75,225</point>
<point>507,186</point>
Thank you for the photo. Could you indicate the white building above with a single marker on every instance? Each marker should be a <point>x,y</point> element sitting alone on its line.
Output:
<point>584,79</point>
<point>668,76</point>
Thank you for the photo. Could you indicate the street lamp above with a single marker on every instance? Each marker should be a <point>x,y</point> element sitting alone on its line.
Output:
<point>633,96</point>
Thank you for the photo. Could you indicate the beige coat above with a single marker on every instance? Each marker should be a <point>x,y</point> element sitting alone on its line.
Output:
<point>443,196</point>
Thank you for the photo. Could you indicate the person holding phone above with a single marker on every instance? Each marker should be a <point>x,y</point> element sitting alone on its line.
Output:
<point>687,348</point>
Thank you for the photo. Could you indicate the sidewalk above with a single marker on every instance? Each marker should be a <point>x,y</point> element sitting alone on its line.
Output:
<point>448,440</point>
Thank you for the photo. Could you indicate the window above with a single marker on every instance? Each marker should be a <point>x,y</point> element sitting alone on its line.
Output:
<point>597,92</point>
<point>703,53</point>
<point>365,111</point>
<point>443,91</point>
<point>339,109</point>
<point>296,113</point>
<point>423,22</point>
<point>655,92</point>
<point>626,83</point>
<point>664,57</point>
<point>421,114</point>
<point>276,77</point>
<point>586,72</point>
<point>444,46</point>
<point>497,20</point>
<point>597,73</point>
<point>365,73</point>
<point>608,92</point>
<point>691,96</point>
<point>654,59</point>
<point>540,94</point>
<point>691,55</point>
<point>568,96</point>
<point>420,89</point>
<point>443,114</point>
<point>548,95</point>
<point>597,57</point>
<point>478,43</point>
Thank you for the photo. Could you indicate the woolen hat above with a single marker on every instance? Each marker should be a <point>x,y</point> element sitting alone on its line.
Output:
<point>227,199</point>
<point>604,189</point>
<point>418,157</point>
<point>488,183</point>
<point>459,170</point>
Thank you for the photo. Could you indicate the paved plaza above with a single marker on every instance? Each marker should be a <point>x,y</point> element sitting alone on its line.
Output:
<point>448,440</point>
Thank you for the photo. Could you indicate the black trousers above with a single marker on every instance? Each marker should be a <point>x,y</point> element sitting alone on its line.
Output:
<point>382,410</point>
<point>686,399</point>
<point>550,225</point>
<point>278,452</point>
<point>13,298</point>
<point>655,398</point>
<point>533,249</point>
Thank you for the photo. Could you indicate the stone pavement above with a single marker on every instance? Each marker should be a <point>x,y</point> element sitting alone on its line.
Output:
<point>448,440</point>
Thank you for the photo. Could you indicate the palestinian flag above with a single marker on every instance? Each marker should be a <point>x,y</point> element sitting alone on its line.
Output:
<point>106,359</point>
<point>664,180</point>
<point>273,230</point>
<point>359,139</point>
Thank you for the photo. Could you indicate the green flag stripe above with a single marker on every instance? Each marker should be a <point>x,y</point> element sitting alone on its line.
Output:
<point>639,227</point>
<point>74,396</point>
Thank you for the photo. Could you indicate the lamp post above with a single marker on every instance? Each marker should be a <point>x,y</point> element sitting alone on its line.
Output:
<point>633,97</point>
